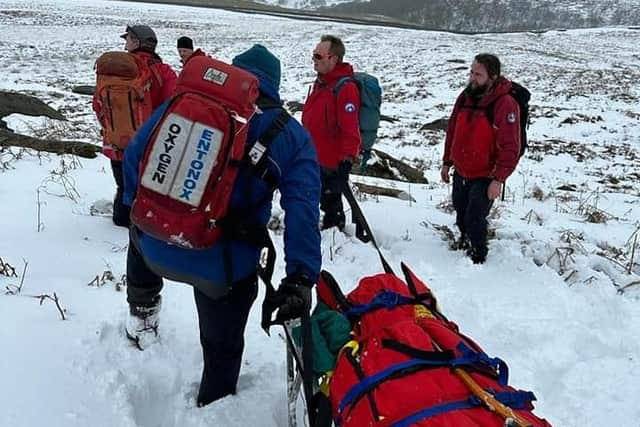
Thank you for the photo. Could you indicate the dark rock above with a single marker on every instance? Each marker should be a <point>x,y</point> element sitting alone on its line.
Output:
<point>440,124</point>
<point>382,165</point>
<point>383,191</point>
<point>84,90</point>
<point>568,187</point>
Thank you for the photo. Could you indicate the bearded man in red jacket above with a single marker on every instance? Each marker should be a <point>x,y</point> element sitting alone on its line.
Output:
<point>330,115</point>
<point>483,146</point>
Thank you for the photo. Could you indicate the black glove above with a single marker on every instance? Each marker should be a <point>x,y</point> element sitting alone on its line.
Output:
<point>295,295</point>
<point>344,168</point>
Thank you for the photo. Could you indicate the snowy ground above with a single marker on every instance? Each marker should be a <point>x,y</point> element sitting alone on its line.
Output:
<point>548,299</point>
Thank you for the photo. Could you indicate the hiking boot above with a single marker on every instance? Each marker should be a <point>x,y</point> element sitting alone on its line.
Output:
<point>462,244</point>
<point>477,255</point>
<point>142,324</point>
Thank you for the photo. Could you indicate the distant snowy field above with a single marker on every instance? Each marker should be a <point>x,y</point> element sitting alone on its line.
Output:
<point>303,4</point>
<point>546,301</point>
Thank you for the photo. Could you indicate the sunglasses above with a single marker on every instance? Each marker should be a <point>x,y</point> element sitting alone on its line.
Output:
<point>318,57</point>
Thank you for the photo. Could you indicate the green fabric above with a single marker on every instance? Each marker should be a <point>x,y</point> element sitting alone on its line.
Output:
<point>330,330</point>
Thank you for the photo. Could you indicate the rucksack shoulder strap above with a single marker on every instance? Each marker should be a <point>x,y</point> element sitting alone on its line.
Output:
<point>276,127</point>
<point>256,154</point>
<point>341,82</point>
<point>152,66</point>
<point>492,106</point>
<point>265,103</point>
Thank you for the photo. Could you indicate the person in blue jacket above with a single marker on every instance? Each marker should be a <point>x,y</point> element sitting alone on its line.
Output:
<point>224,276</point>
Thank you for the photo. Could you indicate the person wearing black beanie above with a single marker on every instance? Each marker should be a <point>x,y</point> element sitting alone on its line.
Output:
<point>185,49</point>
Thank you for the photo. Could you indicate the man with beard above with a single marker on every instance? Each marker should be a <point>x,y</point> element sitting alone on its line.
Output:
<point>483,146</point>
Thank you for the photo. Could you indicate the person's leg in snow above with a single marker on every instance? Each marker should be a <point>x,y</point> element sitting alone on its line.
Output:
<point>222,324</point>
<point>459,195</point>
<point>121,212</point>
<point>331,200</point>
<point>143,296</point>
<point>475,219</point>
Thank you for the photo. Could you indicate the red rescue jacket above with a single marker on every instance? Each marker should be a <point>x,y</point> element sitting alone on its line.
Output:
<point>478,148</point>
<point>197,52</point>
<point>332,118</point>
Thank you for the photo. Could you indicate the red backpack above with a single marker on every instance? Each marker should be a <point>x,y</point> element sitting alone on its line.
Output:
<point>408,365</point>
<point>123,87</point>
<point>194,152</point>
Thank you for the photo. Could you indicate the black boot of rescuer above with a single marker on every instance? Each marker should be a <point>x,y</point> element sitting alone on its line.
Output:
<point>477,255</point>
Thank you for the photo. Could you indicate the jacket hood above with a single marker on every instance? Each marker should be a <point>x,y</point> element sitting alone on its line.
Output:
<point>266,87</point>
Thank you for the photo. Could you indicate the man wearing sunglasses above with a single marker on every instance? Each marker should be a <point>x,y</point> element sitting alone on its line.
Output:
<point>330,115</point>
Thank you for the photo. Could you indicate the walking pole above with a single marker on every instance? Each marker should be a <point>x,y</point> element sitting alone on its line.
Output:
<point>363,231</point>
<point>293,381</point>
<point>302,358</point>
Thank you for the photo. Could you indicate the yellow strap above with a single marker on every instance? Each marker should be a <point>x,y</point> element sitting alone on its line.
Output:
<point>325,382</point>
<point>490,401</point>
<point>353,345</point>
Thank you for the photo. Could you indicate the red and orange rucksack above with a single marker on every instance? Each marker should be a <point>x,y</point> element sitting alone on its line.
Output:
<point>123,88</point>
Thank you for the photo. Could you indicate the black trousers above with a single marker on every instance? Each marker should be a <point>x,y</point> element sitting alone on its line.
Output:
<point>143,285</point>
<point>121,212</point>
<point>331,198</point>
<point>222,324</point>
<point>472,208</point>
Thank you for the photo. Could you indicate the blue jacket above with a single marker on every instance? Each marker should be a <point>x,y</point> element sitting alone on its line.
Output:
<point>292,159</point>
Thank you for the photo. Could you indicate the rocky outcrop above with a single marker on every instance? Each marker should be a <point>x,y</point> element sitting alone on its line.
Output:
<point>382,165</point>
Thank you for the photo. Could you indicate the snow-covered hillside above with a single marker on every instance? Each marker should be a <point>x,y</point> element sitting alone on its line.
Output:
<point>303,4</point>
<point>551,299</point>
<point>502,15</point>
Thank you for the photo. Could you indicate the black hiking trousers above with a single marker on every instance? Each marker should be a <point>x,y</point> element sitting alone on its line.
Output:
<point>222,324</point>
<point>121,212</point>
<point>472,208</point>
<point>331,198</point>
<point>143,285</point>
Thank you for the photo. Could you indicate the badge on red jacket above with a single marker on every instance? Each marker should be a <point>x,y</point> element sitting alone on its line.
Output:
<point>511,117</point>
<point>350,107</point>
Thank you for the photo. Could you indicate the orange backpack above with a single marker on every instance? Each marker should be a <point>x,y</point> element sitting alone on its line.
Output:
<point>123,87</point>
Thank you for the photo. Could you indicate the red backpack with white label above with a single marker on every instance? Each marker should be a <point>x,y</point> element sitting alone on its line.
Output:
<point>194,153</point>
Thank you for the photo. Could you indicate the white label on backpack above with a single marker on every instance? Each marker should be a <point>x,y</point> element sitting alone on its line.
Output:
<point>168,149</point>
<point>200,157</point>
<point>215,76</point>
